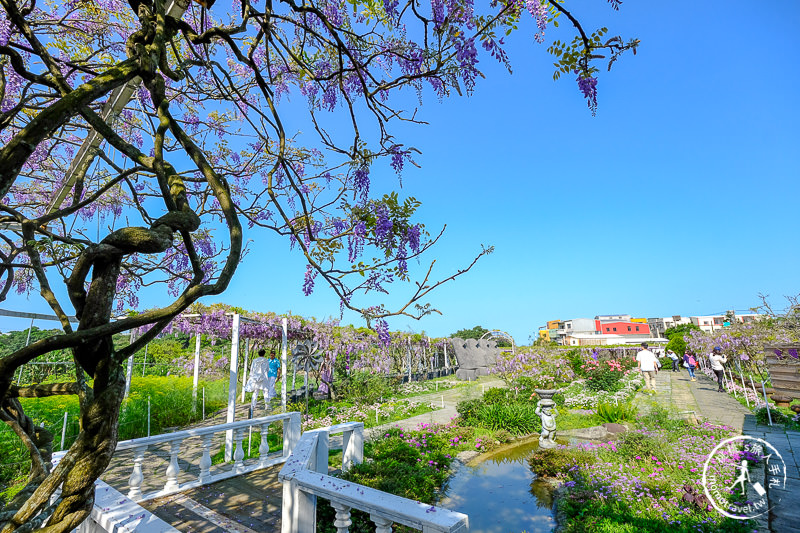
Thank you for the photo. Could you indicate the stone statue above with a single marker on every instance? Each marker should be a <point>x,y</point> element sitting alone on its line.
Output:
<point>474,357</point>
<point>546,409</point>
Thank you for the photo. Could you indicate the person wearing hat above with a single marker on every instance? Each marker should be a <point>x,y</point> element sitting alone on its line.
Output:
<point>717,359</point>
<point>648,365</point>
<point>674,358</point>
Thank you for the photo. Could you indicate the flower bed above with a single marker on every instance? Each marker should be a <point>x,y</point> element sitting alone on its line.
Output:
<point>422,387</point>
<point>578,395</point>
<point>387,412</point>
<point>638,482</point>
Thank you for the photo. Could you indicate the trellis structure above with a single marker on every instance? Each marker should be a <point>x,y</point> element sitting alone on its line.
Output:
<point>497,334</point>
<point>197,320</point>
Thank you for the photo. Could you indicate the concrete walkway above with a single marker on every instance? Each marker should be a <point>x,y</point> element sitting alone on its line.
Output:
<point>675,389</point>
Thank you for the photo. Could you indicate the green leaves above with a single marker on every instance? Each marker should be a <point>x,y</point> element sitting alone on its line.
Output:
<point>616,412</point>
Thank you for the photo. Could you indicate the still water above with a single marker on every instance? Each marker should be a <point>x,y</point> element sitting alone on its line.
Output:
<point>500,494</point>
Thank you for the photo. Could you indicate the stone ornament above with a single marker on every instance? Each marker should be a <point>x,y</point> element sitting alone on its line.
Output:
<point>546,409</point>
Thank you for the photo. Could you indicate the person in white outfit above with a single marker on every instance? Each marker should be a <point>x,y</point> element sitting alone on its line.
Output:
<point>648,364</point>
<point>717,359</point>
<point>258,382</point>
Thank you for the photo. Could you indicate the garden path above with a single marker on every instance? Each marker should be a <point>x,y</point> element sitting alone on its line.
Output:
<point>447,400</point>
<point>784,501</point>
<point>700,396</point>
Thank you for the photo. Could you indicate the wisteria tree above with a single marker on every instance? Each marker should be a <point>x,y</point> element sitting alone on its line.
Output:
<point>142,140</point>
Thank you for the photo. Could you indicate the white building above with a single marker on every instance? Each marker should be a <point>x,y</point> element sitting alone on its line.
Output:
<point>659,325</point>
<point>613,318</point>
<point>716,322</point>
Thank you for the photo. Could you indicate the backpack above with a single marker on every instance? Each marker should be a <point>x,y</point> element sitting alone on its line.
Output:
<point>692,361</point>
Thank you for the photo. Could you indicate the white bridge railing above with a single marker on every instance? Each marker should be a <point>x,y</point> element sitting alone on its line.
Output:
<point>305,478</point>
<point>116,512</point>
<point>205,474</point>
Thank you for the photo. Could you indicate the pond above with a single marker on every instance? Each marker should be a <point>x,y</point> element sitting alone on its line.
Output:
<point>500,494</point>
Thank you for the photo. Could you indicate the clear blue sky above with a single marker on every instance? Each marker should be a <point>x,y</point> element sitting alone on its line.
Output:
<point>679,197</point>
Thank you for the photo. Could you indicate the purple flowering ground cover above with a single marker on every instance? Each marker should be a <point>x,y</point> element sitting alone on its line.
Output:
<point>639,482</point>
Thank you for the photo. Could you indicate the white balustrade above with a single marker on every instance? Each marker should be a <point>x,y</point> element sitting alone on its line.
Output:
<point>305,478</point>
<point>205,460</point>
<point>342,522</point>
<point>135,481</point>
<point>263,448</point>
<point>175,441</point>
<point>172,469</point>
<point>238,455</point>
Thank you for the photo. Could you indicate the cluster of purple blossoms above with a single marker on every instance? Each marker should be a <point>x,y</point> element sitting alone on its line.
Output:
<point>399,157</point>
<point>384,227</point>
<point>538,10</point>
<point>355,242</point>
<point>308,282</point>
<point>333,12</point>
<point>5,30</point>
<point>588,86</point>
<point>361,183</point>
<point>413,237</point>
<point>467,56</point>
<point>382,328</point>
<point>390,6</point>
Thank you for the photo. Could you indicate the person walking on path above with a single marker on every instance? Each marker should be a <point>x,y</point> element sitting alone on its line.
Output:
<point>674,358</point>
<point>648,364</point>
<point>273,374</point>
<point>690,363</point>
<point>258,381</point>
<point>717,359</point>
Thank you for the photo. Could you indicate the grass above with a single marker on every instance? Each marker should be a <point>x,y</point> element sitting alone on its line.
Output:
<point>170,406</point>
<point>252,442</point>
<point>569,420</point>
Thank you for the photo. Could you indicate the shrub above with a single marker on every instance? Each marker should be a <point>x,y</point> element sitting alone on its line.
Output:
<point>554,462</point>
<point>575,360</point>
<point>517,418</point>
<point>467,409</point>
<point>777,416</point>
<point>560,399</point>
<point>496,395</point>
<point>633,444</point>
<point>603,376</point>
<point>412,464</point>
<point>659,416</point>
<point>503,436</point>
<point>364,387</point>
<point>609,412</point>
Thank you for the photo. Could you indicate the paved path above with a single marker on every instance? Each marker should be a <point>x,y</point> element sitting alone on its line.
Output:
<point>700,397</point>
